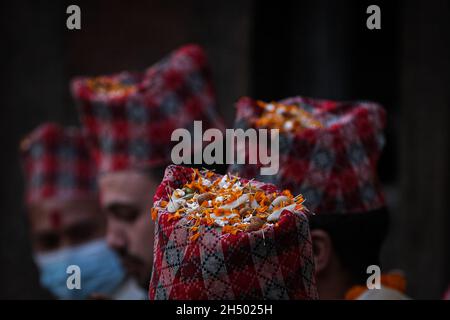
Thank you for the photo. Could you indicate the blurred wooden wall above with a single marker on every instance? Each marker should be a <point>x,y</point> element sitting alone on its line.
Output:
<point>423,225</point>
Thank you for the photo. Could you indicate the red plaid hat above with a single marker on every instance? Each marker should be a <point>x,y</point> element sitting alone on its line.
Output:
<point>57,164</point>
<point>272,263</point>
<point>130,117</point>
<point>332,164</point>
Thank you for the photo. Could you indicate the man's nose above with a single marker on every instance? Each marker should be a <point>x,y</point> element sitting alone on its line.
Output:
<point>116,235</point>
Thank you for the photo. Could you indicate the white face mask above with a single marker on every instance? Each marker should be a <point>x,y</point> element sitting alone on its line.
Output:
<point>100,270</point>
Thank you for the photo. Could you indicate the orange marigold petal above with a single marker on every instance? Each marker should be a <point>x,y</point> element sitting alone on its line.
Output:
<point>287,193</point>
<point>355,292</point>
<point>154,212</point>
<point>394,281</point>
<point>194,236</point>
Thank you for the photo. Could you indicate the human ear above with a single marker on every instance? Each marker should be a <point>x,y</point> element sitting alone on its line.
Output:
<point>322,249</point>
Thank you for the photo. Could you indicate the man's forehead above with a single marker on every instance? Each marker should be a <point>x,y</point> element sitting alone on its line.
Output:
<point>44,217</point>
<point>124,187</point>
<point>57,213</point>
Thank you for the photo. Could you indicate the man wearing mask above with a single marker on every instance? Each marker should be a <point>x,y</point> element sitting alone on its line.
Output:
<point>329,151</point>
<point>130,118</point>
<point>67,227</point>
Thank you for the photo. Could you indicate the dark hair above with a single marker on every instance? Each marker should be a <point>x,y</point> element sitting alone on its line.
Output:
<point>357,238</point>
<point>154,173</point>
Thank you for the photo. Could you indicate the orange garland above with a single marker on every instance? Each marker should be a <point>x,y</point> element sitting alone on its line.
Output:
<point>109,85</point>
<point>394,281</point>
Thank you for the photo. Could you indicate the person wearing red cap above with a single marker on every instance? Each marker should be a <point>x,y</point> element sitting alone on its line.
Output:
<point>67,227</point>
<point>129,118</point>
<point>328,152</point>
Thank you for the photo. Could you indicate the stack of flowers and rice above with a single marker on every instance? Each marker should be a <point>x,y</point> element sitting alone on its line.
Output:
<point>222,237</point>
<point>227,203</point>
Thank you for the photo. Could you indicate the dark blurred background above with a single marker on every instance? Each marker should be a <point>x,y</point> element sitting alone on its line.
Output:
<point>313,48</point>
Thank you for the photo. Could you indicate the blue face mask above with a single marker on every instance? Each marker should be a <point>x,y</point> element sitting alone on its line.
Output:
<point>100,270</point>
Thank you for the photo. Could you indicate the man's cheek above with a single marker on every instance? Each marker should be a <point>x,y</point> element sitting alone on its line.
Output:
<point>144,235</point>
<point>101,198</point>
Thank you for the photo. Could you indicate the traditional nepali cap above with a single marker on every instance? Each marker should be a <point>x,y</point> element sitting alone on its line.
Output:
<point>331,155</point>
<point>130,117</point>
<point>275,262</point>
<point>57,164</point>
